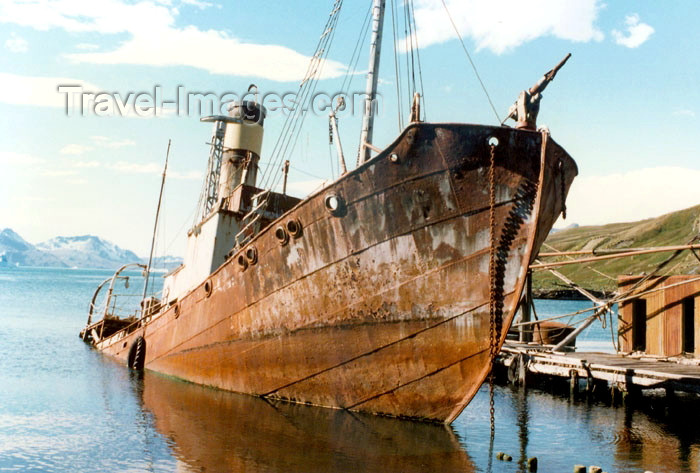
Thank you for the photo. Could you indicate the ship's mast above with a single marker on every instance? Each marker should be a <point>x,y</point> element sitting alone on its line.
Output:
<point>372,78</point>
<point>155,229</point>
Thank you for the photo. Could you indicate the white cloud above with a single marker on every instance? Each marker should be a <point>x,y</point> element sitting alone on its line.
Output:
<point>136,168</point>
<point>637,33</point>
<point>76,16</point>
<point>14,158</point>
<point>84,164</point>
<point>74,149</point>
<point>191,175</point>
<point>204,50</point>
<point>197,3</point>
<point>631,196</point>
<point>155,41</point>
<point>58,172</point>
<point>16,44</point>
<point>684,112</point>
<point>304,188</point>
<point>87,46</point>
<point>106,142</point>
<point>40,91</point>
<point>151,168</point>
<point>502,25</point>
<point>77,97</point>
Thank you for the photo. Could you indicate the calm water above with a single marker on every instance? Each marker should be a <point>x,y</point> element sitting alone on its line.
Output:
<point>65,408</point>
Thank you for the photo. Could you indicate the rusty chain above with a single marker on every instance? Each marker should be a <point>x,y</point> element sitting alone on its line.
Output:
<point>493,336</point>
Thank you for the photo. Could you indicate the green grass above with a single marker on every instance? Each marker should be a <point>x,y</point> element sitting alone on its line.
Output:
<point>676,228</point>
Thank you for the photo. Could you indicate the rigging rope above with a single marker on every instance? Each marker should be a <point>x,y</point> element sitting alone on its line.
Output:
<point>408,63</point>
<point>397,65</point>
<point>483,87</point>
<point>292,124</point>
<point>355,57</point>
<point>409,39</point>
<point>307,98</point>
<point>417,49</point>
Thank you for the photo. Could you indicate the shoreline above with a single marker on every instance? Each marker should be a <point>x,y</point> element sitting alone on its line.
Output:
<point>567,294</point>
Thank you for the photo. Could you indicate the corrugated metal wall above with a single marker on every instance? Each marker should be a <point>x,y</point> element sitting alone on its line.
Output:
<point>664,315</point>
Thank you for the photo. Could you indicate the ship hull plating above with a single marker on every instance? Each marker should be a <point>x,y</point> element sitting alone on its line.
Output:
<point>381,302</point>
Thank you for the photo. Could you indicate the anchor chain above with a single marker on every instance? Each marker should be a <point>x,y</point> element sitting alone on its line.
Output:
<point>493,336</point>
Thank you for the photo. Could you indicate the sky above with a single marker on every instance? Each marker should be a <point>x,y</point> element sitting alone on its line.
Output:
<point>625,106</point>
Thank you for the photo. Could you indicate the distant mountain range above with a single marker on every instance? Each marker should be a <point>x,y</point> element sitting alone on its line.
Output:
<point>86,251</point>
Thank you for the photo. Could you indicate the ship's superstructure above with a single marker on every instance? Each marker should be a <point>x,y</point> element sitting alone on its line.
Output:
<point>231,207</point>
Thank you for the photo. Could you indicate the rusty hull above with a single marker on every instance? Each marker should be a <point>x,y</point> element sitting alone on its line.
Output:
<point>383,305</point>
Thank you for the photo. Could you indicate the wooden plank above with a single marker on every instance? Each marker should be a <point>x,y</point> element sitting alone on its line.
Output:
<point>624,332</point>
<point>674,312</point>
<point>655,323</point>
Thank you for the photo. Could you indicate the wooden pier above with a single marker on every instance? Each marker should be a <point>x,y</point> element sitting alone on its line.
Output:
<point>619,373</point>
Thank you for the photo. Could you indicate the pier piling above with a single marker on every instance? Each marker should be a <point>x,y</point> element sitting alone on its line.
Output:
<point>623,377</point>
<point>573,384</point>
<point>532,464</point>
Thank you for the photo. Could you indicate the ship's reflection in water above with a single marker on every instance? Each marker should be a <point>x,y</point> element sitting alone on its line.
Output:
<point>212,430</point>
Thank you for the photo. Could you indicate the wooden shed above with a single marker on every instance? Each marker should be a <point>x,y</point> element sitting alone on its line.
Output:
<point>665,319</point>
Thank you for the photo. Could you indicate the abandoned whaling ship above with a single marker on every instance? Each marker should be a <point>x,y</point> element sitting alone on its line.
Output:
<point>389,291</point>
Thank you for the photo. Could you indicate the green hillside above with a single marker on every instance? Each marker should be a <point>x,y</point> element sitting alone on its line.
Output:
<point>676,228</point>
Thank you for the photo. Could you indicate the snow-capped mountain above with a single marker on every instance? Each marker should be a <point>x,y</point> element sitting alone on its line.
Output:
<point>87,251</point>
<point>15,250</point>
<point>11,241</point>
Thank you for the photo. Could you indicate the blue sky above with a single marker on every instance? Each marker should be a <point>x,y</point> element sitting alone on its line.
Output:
<point>625,106</point>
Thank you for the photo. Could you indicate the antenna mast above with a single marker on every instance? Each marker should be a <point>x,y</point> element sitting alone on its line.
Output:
<point>372,78</point>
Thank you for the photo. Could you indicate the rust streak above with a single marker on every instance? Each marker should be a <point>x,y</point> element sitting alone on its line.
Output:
<point>427,375</point>
<point>371,352</point>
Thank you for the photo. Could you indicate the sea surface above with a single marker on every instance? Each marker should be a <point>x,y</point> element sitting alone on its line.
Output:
<point>66,408</point>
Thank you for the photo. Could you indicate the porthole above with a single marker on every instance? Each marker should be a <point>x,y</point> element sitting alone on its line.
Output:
<point>242,262</point>
<point>208,288</point>
<point>176,310</point>
<point>335,205</point>
<point>281,235</point>
<point>294,227</point>
<point>251,254</point>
